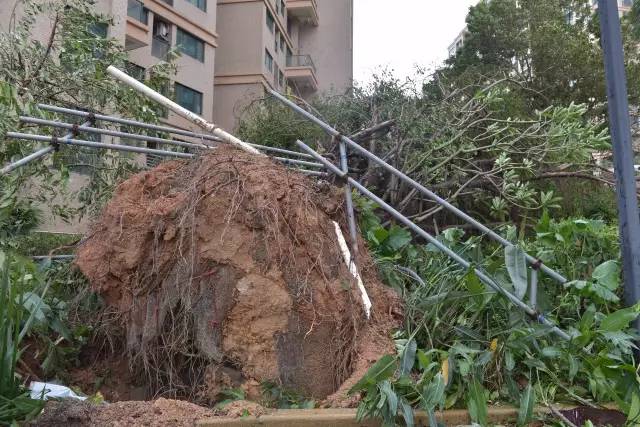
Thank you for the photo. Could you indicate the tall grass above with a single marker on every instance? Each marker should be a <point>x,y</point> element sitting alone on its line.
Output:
<point>15,323</point>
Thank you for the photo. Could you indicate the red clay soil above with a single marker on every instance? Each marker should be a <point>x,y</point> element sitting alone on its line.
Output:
<point>225,271</point>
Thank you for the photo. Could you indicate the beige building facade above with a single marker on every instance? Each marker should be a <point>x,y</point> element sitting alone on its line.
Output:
<point>304,47</point>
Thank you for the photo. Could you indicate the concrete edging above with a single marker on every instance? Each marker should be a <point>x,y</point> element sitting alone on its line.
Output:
<point>347,418</point>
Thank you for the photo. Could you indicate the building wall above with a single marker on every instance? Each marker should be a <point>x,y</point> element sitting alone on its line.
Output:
<point>245,40</point>
<point>191,72</point>
<point>330,45</point>
<point>233,98</point>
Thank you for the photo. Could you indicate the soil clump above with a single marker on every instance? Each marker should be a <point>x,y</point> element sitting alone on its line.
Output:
<point>226,270</point>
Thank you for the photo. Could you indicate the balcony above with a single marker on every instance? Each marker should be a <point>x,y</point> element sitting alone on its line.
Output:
<point>137,25</point>
<point>306,11</point>
<point>302,72</point>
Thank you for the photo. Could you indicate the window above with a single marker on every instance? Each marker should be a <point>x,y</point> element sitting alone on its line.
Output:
<point>200,4</point>
<point>190,45</point>
<point>268,60</point>
<point>134,70</point>
<point>161,42</point>
<point>275,44</point>
<point>189,98</point>
<point>99,29</point>
<point>137,11</point>
<point>281,79</point>
<point>282,43</point>
<point>271,23</point>
<point>282,8</point>
<point>289,55</point>
<point>169,2</point>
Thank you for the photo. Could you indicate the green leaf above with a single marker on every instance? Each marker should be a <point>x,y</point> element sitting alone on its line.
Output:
<point>475,287</point>
<point>423,359</point>
<point>633,417</point>
<point>433,393</point>
<point>620,319</point>
<point>407,413</point>
<point>608,274</point>
<point>392,397</point>
<point>382,370</point>
<point>527,402</point>
<point>398,238</point>
<point>516,263</point>
<point>477,403</point>
<point>408,357</point>
<point>551,352</point>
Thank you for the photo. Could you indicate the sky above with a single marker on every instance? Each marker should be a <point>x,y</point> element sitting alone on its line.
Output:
<point>399,34</point>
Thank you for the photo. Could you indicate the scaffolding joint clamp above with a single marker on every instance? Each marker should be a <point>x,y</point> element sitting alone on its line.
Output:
<point>55,143</point>
<point>537,265</point>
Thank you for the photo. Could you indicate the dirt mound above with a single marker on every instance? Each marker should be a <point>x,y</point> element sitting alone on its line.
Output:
<point>159,413</point>
<point>226,270</point>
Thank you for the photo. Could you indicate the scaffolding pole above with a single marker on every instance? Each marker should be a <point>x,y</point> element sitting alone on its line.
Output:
<point>442,247</point>
<point>38,154</point>
<point>161,129</point>
<point>413,183</point>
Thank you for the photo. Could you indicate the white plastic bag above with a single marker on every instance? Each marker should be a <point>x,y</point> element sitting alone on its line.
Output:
<point>52,391</point>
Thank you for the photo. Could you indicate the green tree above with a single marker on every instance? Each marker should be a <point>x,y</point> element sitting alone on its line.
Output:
<point>549,46</point>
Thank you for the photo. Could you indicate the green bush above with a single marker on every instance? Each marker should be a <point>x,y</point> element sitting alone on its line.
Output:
<point>19,307</point>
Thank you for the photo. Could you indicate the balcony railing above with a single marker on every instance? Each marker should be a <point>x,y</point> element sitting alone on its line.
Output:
<point>298,61</point>
<point>160,48</point>
<point>137,11</point>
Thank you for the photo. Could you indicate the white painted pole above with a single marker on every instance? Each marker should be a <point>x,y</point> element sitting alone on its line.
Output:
<point>181,111</point>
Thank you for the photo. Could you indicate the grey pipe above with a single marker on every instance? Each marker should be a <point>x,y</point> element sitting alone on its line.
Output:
<point>298,162</point>
<point>351,218</point>
<point>131,149</point>
<point>533,291</point>
<point>157,128</point>
<point>34,156</point>
<point>114,133</point>
<point>91,144</point>
<point>478,225</point>
<point>442,247</point>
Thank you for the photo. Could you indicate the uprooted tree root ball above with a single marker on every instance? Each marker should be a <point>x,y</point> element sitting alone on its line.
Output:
<point>225,271</point>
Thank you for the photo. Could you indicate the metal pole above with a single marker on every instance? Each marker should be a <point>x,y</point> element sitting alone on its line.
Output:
<point>351,218</point>
<point>442,247</point>
<point>533,291</point>
<point>91,144</point>
<point>181,111</point>
<point>620,126</point>
<point>298,162</point>
<point>478,225</point>
<point>141,150</point>
<point>38,154</point>
<point>162,129</point>
<point>114,133</point>
<point>127,122</point>
<point>31,157</point>
<point>53,257</point>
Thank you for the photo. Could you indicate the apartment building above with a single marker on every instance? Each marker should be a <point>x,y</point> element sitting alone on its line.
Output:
<point>153,27</point>
<point>304,47</point>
